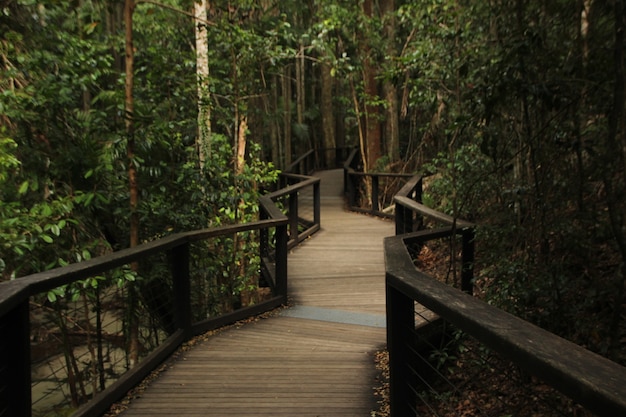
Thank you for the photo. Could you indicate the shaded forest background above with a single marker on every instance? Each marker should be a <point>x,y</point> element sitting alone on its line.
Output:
<point>518,108</point>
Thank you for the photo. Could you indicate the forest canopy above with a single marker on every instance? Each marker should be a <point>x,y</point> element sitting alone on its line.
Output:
<point>124,121</point>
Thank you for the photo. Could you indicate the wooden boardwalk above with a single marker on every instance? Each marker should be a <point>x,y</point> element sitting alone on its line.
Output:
<point>315,358</point>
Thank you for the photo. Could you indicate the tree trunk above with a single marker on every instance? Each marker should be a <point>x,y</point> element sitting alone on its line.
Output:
<point>287,114</point>
<point>129,112</point>
<point>615,171</point>
<point>372,110</point>
<point>240,157</point>
<point>202,71</point>
<point>300,147</point>
<point>272,108</point>
<point>390,91</point>
<point>129,8</point>
<point>328,119</point>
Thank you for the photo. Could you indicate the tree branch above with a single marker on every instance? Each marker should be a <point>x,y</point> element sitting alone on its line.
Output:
<point>172,8</point>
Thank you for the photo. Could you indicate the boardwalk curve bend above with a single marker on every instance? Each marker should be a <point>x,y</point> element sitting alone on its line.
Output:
<point>315,358</point>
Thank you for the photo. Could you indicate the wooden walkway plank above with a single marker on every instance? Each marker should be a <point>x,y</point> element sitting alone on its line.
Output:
<point>315,359</point>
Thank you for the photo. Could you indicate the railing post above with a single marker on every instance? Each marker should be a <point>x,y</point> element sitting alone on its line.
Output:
<point>179,258</point>
<point>264,236</point>
<point>15,390</point>
<point>316,204</point>
<point>400,323</point>
<point>417,191</point>
<point>375,193</point>
<point>467,259</point>
<point>417,196</point>
<point>281,260</point>
<point>293,216</point>
<point>350,190</point>
<point>399,219</point>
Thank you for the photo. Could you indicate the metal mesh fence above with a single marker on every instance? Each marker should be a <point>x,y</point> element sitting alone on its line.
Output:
<point>84,336</point>
<point>455,375</point>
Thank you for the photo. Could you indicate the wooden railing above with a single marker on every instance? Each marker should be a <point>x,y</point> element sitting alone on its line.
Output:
<point>588,379</point>
<point>364,190</point>
<point>95,285</point>
<point>319,159</point>
<point>303,205</point>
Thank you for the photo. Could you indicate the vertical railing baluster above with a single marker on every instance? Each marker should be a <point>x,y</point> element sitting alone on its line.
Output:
<point>351,191</point>
<point>264,236</point>
<point>399,219</point>
<point>281,261</point>
<point>417,196</point>
<point>293,216</point>
<point>375,193</point>
<point>316,203</point>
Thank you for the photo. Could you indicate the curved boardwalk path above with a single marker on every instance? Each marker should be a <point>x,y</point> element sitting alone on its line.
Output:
<point>315,358</point>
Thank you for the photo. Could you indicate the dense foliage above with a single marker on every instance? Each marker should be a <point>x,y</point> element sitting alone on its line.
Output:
<point>517,107</point>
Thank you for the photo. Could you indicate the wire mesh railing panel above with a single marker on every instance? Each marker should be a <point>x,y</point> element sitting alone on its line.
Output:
<point>86,335</point>
<point>388,187</point>
<point>440,258</point>
<point>225,274</point>
<point>455,375</point>
<point>306,206</point>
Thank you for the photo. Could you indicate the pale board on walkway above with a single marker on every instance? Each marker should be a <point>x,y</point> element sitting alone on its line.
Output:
<point>315,359</point>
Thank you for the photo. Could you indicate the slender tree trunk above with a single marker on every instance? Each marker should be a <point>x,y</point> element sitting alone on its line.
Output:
<point>361,128</point>
<point>372,115</point>
<point>129,8</point>
<point>240,158</point>
<point>390,91</point>
<point>130,128</point>
<point>287,114</point>
<point>583,34</point>
<point>272,109</point>
<point>328,118</point>
<point>300,147</point>
<point>615,171</point>
<point>202,70</point>
<point>372,110</point>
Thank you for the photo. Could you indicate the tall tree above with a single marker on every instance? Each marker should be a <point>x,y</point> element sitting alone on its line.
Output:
<point>390,91</point>
<point>202,70</point>
<point>372,114</point>
<point>129,114</point>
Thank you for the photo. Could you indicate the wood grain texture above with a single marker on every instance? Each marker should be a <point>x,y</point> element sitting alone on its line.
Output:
<point>294,366</point>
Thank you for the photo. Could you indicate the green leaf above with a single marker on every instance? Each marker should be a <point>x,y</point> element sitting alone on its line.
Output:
<point>47,239</point>
<point>23,188</point>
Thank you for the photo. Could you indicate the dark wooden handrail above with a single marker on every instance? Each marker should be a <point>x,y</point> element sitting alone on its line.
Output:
<point>15,383</point>
<point>317,159</point>
<point>409,218</point>
<point>587,378</point>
